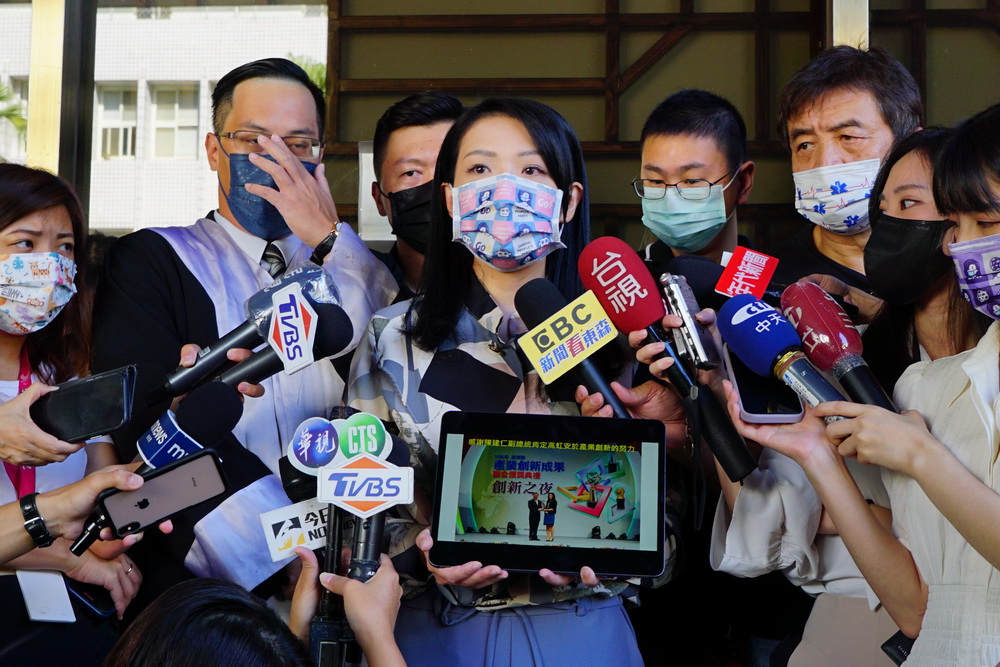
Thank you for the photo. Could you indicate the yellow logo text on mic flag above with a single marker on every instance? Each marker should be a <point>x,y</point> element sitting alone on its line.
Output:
<point>568,337</point>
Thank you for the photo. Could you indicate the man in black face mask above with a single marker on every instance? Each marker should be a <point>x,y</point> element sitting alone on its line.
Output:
<point>408,137</point>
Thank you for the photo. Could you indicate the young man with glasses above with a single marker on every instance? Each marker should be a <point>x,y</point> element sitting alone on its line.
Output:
<point>166,287</point>
<point>694,174</point>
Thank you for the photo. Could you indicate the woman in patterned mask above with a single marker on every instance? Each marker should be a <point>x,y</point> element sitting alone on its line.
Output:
<point>45,338</point>
<point>511,206</point>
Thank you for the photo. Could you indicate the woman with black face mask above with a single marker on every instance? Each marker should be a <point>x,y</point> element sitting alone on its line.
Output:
<point>906,267</point>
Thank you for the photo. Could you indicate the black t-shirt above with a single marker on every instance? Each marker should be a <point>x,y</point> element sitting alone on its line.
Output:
<point>658,254</point>
<point>798,257</point>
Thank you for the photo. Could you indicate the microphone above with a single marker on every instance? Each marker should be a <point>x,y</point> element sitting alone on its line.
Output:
<point>604,265</point>
<point>316,287</point>
<point>610,268</point>
<point>703,274</point>
<point>334,332</point>
<point>832,342</point>
<point>205,417</point>
<point>768,344</point>
<point>537,301</point>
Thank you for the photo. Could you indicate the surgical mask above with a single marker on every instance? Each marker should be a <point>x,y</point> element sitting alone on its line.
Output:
<point>34,288</point>
<point>507,221</point>
<point>255,214</point>
<point>836,197</point>
<point>687,224</point>
<point>977,263</point>
<point>903,258</point>
<point>410,217</point>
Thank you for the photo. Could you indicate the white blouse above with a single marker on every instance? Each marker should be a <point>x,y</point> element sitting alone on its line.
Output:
<point>958,397</point>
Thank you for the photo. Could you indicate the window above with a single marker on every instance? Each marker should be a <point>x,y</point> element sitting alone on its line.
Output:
<point>175,121</point>
<point>116,114</point>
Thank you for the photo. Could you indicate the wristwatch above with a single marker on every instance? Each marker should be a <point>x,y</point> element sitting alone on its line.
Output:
<point>325,246</point>
<point>34,523</point>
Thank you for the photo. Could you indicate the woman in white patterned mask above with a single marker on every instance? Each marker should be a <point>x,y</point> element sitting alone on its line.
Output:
<point>937,570</point>
<point>45,340</point>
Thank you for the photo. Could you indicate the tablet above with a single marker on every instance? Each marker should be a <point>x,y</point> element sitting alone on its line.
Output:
<point>600,483</point>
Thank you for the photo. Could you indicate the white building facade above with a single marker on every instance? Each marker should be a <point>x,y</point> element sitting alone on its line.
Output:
<point>154,72</point>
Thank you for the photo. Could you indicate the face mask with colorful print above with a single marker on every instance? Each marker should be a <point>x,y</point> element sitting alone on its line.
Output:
<point>977,263</point>
<point>836,197</point>
<point>34,288</point>
<point>507,221</point>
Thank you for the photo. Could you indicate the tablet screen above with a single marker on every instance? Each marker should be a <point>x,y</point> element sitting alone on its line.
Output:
<point>530,491</point>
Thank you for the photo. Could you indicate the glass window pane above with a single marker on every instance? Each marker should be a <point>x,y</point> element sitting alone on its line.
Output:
<point>115,142</point>
<point>164,142</point>
<point>128,106</point>
<point>166,101</point>
<point>130,141</point>
<point>187,112</point>
<point>112,105</point>
<point>187,143</point>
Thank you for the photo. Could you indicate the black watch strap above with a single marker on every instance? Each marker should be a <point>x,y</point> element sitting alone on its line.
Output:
<point>34,523</point>
<point>325,246</point>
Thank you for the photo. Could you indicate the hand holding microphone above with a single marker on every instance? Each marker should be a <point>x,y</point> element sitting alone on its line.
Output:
<point>769,345</point>
<point>315,286</point>
<point>623,285</point>
<point>205,417</point>
<point>832,342</point>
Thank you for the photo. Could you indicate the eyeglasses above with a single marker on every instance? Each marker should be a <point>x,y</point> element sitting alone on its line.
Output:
<point>246,142</point>
<point>692,189</point>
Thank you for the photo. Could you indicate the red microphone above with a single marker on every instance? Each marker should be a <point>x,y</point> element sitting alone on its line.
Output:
<point>630,296</point>
<point>618,277</point>
<point>832,342</point>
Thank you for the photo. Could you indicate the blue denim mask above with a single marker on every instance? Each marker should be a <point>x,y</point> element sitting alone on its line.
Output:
<point>255,214</point>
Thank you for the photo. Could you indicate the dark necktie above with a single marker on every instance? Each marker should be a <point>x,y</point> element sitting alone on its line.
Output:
<point>273,261</point>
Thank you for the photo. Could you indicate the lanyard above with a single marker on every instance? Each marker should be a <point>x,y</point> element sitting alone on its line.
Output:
<point>22,477</point>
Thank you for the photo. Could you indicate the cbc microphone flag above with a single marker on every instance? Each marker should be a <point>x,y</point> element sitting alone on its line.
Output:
<point>571,335</point>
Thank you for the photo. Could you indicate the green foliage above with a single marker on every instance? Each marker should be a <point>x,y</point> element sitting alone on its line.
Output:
<point>13,113</point>
<point>316,70</point>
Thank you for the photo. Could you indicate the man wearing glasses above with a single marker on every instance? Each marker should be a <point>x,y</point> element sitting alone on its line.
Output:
<point>166,287</point>
<point>694,174</point>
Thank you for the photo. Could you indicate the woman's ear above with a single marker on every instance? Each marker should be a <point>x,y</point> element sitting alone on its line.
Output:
<point>575,194</point>
<point>446,195</point>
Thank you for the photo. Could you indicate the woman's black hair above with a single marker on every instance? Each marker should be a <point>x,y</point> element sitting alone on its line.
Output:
<point>967,169</point>
<point>448,274</point>
<point>965,325</point>
<point>927,143</point>
<point>208,622</point>
<point>61,350</point>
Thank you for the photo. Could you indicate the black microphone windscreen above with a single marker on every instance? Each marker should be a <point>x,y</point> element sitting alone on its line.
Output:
<point>537,301</point>
<point>210,413</point>
<point>334,330</point>
<point>702,275</point>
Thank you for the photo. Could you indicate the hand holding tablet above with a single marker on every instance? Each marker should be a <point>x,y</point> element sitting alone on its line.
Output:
<point>596,485</point>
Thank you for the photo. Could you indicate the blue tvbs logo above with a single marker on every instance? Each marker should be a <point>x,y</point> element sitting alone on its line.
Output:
<point>365,485</point>
<point>293,328</point>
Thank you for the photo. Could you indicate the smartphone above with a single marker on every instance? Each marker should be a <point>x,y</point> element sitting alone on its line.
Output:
<point>693,339</point>
<point>95,598</point>
<point>763,400</point>
<point>83,408</point>
<point>167,490</point>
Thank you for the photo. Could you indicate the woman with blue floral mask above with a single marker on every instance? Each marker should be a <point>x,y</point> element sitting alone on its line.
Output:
<point>938,570</point>
<point>45,338</point>
<point>511,206</point>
